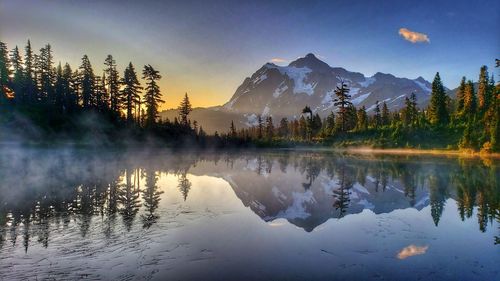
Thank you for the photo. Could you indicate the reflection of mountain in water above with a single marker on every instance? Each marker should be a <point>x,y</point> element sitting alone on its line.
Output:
<point>42,190</point>
<point>307,191</point>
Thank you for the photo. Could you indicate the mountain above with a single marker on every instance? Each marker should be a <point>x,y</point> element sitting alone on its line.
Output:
<point>282,91</point>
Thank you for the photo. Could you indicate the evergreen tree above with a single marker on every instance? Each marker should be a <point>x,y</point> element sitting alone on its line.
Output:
<point>482,89</point>
<point>87,82</point>
<point>152,97</point>
<point>362,119</point>
<point>260,127</point>
<point>438,111</point>
<point>460,98</point>
<point>283,128</point>
<point>385,115</point>
<point>46,74</point>
<point>18,79</point>
<point>330,124</point>
<point>342,101</point>
<point>4,73</point>
<point>70,95</point>
<point>470,103</point>
<point>29,75</point>
<point>232,130</point>
<point>130,92</point>
<point>184,110</point>
<point>269,128</point>
<point>113,85</point>
<point>377,118</point>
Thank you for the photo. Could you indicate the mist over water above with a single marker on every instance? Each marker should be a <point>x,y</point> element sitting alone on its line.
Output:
<point>67,214</point>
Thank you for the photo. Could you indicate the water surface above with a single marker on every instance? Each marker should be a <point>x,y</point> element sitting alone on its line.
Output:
<point>274,215</point>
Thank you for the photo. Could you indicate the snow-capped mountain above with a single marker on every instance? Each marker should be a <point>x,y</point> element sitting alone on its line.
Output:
<point>285,90</point>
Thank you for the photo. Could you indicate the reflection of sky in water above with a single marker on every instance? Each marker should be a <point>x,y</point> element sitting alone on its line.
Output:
<point>229,221</point>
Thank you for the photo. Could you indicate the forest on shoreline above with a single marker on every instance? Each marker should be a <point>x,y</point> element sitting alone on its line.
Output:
<point>41,102</point>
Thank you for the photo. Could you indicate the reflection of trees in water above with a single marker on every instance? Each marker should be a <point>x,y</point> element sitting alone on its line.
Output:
<point>112,188</point>
<point>151,197</point>
<point>128,197</point>
<point>342,194</point>
<point>184,185</point>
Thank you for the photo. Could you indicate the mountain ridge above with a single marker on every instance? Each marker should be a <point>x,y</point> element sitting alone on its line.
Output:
<point>282,91</point>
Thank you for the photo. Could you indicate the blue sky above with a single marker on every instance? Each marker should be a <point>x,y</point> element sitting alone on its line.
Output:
<point>207,48</point>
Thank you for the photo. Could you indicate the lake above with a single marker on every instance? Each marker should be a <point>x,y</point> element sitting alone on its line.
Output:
<point>69,214</point>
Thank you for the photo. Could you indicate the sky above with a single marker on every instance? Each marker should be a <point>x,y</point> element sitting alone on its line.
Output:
<point>207,48</point>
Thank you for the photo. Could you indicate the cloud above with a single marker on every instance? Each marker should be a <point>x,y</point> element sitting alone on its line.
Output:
<point>278,60</point>
<point>411,251</point>
<point>414,37</point>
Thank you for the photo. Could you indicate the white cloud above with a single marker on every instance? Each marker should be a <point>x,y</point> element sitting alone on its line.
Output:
<point>414,37</point>
<point>278,60</point>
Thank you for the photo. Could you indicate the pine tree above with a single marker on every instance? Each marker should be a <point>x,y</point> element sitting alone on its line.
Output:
<point>377,118</point>
<point>283,128</point>
<point>330,124</point>
<point>4,73</point>
<point>184,109</point>
<point>482,89</point>
<point>269,128</point>
<point>385,115</point>
<point>29,74</point>
<point>46,74</point>
<point>130,91</point>
<point>87,82</point>
<point>260,127</point>
<point>362,119</point>
<point>342,101</point>
<point>59,89</point>
<point>438,111</point>
<point>460,99</point>
<point>232,130</point>
<point>18,79</point>
<point>113,85</point>
<point>152,97</point>
<point>70,95</point>
<point>470,103</point>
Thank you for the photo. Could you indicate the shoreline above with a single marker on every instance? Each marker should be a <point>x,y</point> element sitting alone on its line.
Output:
<point>413,151</point>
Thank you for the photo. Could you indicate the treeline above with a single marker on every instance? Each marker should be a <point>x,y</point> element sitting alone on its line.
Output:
<point>42,101</point>
<point>469,121</point>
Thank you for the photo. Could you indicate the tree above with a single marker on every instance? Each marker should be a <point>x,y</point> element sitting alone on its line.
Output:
<point>342,100</point>
<point>46,72</point>
<point>87,82</point>
<point>29,75</point>
<point>269,128</point>
<point>377,118</point>
<point>18,79</point>
<point>438,111</point>
<point>362,119</point>
<point>483,92</point>
<point>308,129</point>
<point>385,115</point>
<point>410,111</point>
<point>184,110</point>
<point>283,130</point>
<point>130,92</point>
<point>330,124</point>
<point>152,97</point>
<point>469,100</point>
<point>232,130</point>
<point>113,84</point>
<point>4,73</point>
<point>460,99</point>
<point>260,127</point>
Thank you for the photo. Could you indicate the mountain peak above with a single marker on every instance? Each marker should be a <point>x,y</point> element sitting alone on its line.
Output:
<point>312,62</point>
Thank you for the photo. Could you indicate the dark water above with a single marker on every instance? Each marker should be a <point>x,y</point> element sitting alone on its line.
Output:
<point>93,215</point>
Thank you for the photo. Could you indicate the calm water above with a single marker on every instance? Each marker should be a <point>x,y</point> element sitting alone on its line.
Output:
<point>67,215</point>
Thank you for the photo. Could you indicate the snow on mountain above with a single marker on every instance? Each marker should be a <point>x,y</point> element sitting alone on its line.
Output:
<point>285,90</point>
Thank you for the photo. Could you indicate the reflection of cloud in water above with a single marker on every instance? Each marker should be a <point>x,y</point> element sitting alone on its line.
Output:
<point>411,251</point>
